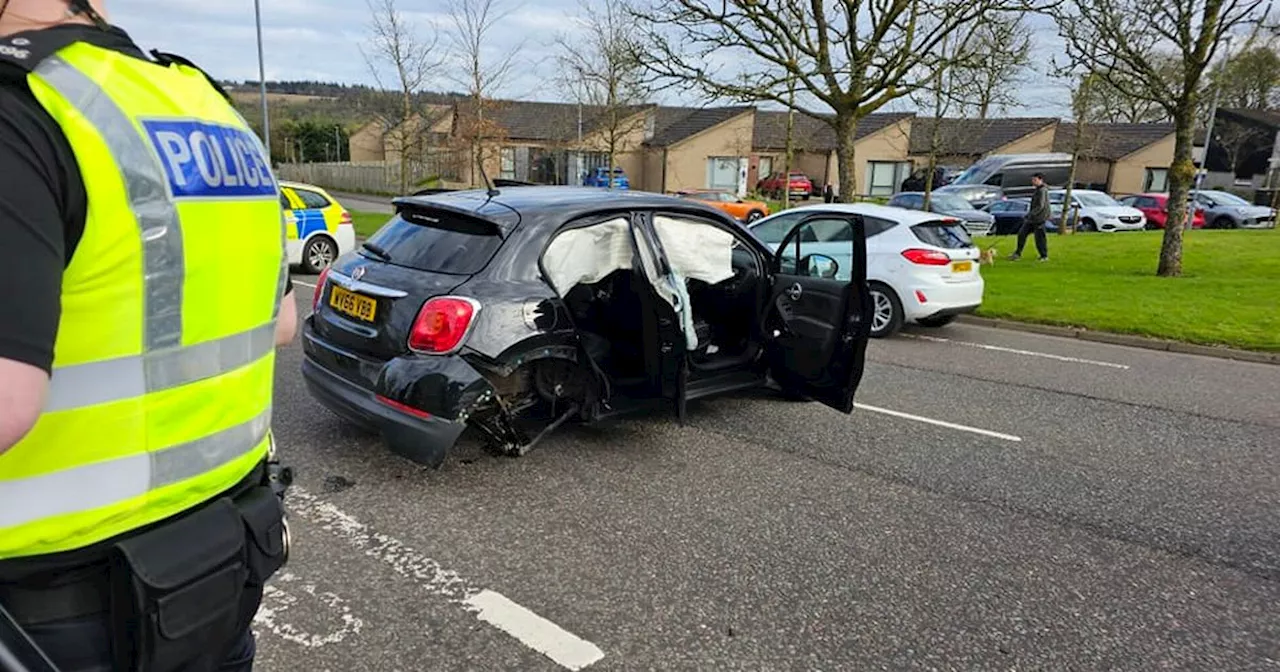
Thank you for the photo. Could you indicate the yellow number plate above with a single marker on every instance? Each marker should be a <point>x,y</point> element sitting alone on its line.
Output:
<point>962,266</point>
<point>350,303</point>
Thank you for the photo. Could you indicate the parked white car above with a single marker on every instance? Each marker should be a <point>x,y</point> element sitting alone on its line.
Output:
<point>921,266</point>
<point>1096,211</point>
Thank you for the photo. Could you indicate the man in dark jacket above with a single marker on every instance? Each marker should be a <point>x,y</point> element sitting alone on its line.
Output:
<point>1036,217</point>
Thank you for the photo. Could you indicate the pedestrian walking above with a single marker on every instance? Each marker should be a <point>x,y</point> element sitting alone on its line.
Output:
<point>141,504</point>
<point>1037,215</point>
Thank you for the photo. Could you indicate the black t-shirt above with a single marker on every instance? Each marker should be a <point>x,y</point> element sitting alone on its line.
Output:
<point>42,209</point>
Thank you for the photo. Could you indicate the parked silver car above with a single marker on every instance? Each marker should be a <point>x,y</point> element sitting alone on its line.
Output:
<point>1224,210</point>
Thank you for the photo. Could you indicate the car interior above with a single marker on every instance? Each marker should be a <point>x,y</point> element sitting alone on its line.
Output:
<point>618,293</point>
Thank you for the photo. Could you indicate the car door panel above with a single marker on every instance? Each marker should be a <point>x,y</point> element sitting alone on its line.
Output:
<point>817,324</point>
<point>664,335</point>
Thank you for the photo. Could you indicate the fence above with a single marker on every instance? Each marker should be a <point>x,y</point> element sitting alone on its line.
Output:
<point>372,177</point>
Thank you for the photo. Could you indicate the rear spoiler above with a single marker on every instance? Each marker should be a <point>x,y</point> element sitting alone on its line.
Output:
<point>416,210</point>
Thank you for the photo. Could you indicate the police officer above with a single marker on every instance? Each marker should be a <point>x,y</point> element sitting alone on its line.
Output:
<point>144,292</point>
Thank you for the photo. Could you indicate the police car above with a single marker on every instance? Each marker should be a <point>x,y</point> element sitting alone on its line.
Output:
<point>317,229</point>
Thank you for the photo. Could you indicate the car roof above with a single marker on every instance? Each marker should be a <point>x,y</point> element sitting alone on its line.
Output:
<point>300,185</point>
<point>555,204</point>
<point>908,217</point>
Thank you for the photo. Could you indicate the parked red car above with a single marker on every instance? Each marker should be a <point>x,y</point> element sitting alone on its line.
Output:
<point>799,184</point>
<point>1153,206</point>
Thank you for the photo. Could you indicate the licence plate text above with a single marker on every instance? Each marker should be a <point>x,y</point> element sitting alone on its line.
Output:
<point>962,267</point>
<point>350,303</point>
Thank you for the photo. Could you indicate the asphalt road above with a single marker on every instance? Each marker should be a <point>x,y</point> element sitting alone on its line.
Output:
<point>998,501</point>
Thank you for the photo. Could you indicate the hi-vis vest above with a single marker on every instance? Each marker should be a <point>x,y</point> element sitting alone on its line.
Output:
<point>161,391</point>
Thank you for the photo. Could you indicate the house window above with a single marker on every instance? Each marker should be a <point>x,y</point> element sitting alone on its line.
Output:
<point>766,167</point>
<point>1157,179</point>
<point>508,169</point>
<point>883,177</point>
<point>722,173</point>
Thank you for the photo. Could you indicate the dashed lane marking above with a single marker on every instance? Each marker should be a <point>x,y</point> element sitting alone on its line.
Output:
<point>566,649</point>
<point>939,423</point>
<point>1015,351</point>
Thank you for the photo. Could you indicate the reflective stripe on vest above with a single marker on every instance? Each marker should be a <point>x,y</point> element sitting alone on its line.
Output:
<point>94,485</point>
<point>52,501</point>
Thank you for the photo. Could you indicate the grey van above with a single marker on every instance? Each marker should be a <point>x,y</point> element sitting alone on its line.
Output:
<point>1008,176</point>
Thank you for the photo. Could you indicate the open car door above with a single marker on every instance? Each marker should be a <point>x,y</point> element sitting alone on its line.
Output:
<point>818,309</point>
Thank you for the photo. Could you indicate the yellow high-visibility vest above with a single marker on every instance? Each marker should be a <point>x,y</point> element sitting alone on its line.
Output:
<point>160,396</point>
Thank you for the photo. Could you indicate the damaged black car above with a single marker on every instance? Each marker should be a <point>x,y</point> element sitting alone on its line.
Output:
<point>514,311</point>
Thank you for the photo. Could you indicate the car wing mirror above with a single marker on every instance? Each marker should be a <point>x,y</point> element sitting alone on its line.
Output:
<point>819,266</point>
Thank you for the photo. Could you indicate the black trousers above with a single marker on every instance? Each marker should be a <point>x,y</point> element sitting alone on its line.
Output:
<point>1042,243</point>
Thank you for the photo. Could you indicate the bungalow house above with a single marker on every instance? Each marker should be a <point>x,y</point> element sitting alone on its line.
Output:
<point>379,141</point>
<point>961,142</point>
<point>697,148</point>
<point>1120,158</point>
<point>880,150</point>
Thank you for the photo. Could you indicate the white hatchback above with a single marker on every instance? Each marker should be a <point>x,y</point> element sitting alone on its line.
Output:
<point>1097,211</point>
<point>921,266</point>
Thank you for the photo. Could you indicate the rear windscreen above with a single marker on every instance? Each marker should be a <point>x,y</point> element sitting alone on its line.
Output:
<point>949,235</point>
<point>440,243</point>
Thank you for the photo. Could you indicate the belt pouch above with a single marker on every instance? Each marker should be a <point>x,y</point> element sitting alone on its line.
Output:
<point>265,549</point>
<point>176,591</point>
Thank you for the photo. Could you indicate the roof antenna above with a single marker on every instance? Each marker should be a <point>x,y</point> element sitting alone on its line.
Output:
<point>492,190</point>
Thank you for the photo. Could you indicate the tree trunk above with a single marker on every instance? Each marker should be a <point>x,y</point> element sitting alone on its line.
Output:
<point>789,149</point>
<point>846,131</point>
<point>1181,176</point>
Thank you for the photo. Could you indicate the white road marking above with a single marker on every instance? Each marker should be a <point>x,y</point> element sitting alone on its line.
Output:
<point>276,601</point>
<point>539,634</point>
<point>304,284</point>
<point>940,423</point>
<point>1029,353</point>
<point>535,631</point>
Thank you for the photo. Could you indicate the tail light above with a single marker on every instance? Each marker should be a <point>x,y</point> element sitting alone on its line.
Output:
<point>442,324</point>
<point>346,218</point>
<point>315,298</point>
<point>926,257</point>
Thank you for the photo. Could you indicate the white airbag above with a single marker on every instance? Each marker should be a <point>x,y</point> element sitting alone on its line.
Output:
<point>587,255</point>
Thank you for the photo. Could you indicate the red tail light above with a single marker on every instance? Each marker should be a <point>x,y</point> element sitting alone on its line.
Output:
<point>315,298</point>
<point>926,257</point>
<point>346,218</point>
<point>442,324</point>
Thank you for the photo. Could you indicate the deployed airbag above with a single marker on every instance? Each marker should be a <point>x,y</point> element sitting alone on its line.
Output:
<point>696,251</point>
<point>588,255</point>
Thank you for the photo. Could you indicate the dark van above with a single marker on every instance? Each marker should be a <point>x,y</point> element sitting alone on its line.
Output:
<point>1008,176</point>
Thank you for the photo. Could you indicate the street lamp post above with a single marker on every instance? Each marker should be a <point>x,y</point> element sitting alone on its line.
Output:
<point>262,81</point>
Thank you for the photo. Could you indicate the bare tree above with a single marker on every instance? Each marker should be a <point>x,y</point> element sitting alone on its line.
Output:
<point>1083,144</point>
<point>1110,104</point>
<point>409,52</point>
<point>473,24</point>
<point>1001,51</point>
<point>1251,79</point>
<point>1125,42</point>
<point>848,58</point>
<point>599,67</point>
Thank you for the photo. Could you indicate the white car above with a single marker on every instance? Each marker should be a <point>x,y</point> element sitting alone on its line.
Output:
<point>1097,211</point>
<point>921,266</point>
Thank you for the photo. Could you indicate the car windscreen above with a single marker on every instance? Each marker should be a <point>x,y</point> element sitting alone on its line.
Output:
<point>975,174</point>
<point>1225,198</point>
<point>949,202</point>
<point>946,234</point>
<point>1095,200</point>
<point>439,243</point>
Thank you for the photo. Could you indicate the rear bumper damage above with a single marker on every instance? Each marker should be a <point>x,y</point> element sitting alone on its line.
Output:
<point>420,405</point>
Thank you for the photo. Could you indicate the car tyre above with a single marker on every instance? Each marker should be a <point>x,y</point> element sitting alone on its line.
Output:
<point>886,311</point>
<point>319,252</point>
<point>936,322</point>
<point>1088,225</point>
<point>754,215</point>
<point>1224,223</point>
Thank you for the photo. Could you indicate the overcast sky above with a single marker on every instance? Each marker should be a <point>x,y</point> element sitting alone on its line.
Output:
<point>320,40</point>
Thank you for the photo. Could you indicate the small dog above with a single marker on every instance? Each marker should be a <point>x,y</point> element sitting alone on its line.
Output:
<point>988,257</point>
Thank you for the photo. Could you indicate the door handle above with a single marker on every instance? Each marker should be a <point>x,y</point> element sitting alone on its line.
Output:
<point>795,291</point>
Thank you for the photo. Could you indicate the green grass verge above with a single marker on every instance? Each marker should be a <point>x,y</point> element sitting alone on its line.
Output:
<point>1229,293</point>
<point>366,223</point>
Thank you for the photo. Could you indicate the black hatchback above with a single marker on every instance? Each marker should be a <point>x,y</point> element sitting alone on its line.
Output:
<point>514,311</point>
